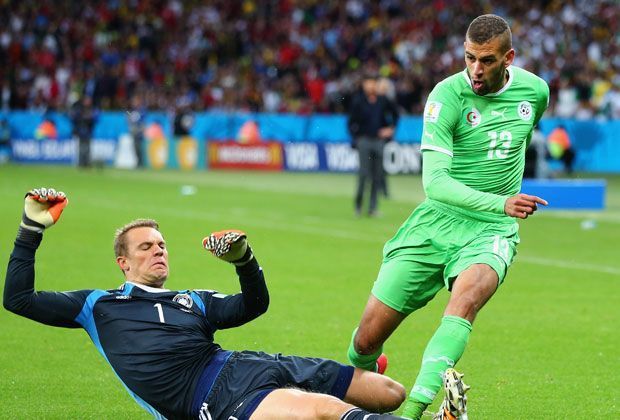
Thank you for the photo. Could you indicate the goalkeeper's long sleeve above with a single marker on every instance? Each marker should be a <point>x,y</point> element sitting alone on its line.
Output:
<point>52,308</point>
<point>235,310</point>
<point>440,186</point>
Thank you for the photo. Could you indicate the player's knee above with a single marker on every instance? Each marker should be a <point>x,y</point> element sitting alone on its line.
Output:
<point>322,406</point>
<point>386,393</point>
<point>399,394</point>
<point>394,394</point>
<point>464,307</point>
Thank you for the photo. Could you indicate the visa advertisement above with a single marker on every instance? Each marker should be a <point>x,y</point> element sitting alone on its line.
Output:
<point>255,141</point>
<point>338,157</point>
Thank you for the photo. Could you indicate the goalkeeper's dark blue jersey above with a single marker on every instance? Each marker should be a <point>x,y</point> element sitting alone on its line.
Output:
<point>159,342</point>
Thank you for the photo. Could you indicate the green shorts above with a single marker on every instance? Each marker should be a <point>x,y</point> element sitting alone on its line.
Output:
<point>433,246</point>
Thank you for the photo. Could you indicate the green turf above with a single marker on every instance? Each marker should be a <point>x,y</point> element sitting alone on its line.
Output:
<point>546,346</point>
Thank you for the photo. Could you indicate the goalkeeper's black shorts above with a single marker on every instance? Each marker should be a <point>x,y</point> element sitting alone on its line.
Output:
<point>248,377</point>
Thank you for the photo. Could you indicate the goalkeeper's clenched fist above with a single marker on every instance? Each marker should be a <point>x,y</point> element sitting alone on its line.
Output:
<point>230,246</point>
<point>42,208</point>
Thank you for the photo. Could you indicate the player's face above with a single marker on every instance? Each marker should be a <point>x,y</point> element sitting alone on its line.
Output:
<point>369,86</point>
<point>146,261</point>
<point>486,65</point>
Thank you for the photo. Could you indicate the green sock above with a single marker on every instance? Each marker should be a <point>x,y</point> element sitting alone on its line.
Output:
<point>413,409</point>
<point>443,351</point>
<point>363,361</point>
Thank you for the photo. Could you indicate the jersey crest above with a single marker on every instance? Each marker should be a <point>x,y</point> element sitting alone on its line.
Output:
<point>524,109</point>
<point>184,299</point>
<point>473,117</point>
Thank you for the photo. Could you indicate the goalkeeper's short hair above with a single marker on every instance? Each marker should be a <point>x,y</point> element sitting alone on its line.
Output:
<point>120,242</point>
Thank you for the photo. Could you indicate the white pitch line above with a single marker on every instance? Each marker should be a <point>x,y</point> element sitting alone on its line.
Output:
<point>568,265</point>
<point>330,232</point>
<point>607,216</point>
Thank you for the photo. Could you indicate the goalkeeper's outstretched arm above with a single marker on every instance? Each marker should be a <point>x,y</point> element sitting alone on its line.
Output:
<point>234,310</point>
<point>42,209</point>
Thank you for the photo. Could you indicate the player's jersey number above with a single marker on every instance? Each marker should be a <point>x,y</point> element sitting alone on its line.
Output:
<point>160,312</point>
<point>501,248</point>
<point>499,144</point>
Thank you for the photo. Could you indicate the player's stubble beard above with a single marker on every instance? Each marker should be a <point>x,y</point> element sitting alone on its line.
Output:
<point>502,79</point>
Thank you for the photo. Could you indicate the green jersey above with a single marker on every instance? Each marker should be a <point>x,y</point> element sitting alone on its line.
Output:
<point>480,140</point>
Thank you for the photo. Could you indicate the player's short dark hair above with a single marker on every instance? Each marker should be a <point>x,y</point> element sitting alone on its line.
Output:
<point>370,75</point>
<point>487,27</point>
<point>120,242</point>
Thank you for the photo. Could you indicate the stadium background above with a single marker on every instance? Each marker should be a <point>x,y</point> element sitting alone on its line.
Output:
<point>546,346</point>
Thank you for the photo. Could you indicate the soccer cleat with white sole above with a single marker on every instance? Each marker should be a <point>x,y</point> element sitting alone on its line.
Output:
<point>454,406</point>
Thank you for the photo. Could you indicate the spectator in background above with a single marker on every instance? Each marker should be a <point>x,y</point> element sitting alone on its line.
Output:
<point>610,104</point>
<point>536,156</point>
<point>83,116</point>
<point>135,120</point>
<point>5,141</point>
<point>386,89</point>
<point>228,53</point>
<point>183,119</point>
<point>559,146</point>
<point>370,127</point>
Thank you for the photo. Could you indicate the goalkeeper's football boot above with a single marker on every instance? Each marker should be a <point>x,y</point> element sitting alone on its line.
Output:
<point>454,405</point>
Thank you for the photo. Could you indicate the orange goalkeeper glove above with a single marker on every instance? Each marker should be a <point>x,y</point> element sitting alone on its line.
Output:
<point>42,208</point>
<point>230,246</point>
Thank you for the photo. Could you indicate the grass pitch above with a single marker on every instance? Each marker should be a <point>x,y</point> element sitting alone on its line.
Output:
<point>545,347</point>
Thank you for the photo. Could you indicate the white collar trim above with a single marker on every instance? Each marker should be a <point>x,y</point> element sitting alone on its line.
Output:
<point>499,92</point>
<point>148,288</point>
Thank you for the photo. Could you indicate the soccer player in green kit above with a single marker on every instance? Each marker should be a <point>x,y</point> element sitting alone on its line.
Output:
<point>477,125</point>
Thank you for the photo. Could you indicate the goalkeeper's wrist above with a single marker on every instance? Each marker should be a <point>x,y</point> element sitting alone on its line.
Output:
<point>247,257</point>
<point>248,269</point>
<point>31,225</point>
<point>29,237</point>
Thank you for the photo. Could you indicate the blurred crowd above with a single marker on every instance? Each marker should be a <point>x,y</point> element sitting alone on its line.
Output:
<point>298,56</point>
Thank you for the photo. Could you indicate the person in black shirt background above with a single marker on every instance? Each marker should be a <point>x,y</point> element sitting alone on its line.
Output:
<point>160,342</point>
<point>135,121</point>
<point>83,117</point>
<point>183,119</point>
<point>385,88</point>
<point>372,119</point>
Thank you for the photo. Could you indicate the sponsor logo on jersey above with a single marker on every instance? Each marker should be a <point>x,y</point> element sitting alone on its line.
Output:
<point>473,117</point>
<point>501,113</point>
<point>524,109</point>
<point>431,111</point>
<point>183,299</point>
<point>123,297</point>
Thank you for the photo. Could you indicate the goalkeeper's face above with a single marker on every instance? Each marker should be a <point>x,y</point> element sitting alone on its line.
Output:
<point>146,261</point>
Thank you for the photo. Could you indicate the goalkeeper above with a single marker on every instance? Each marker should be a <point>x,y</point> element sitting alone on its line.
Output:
<point>160,342</point>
